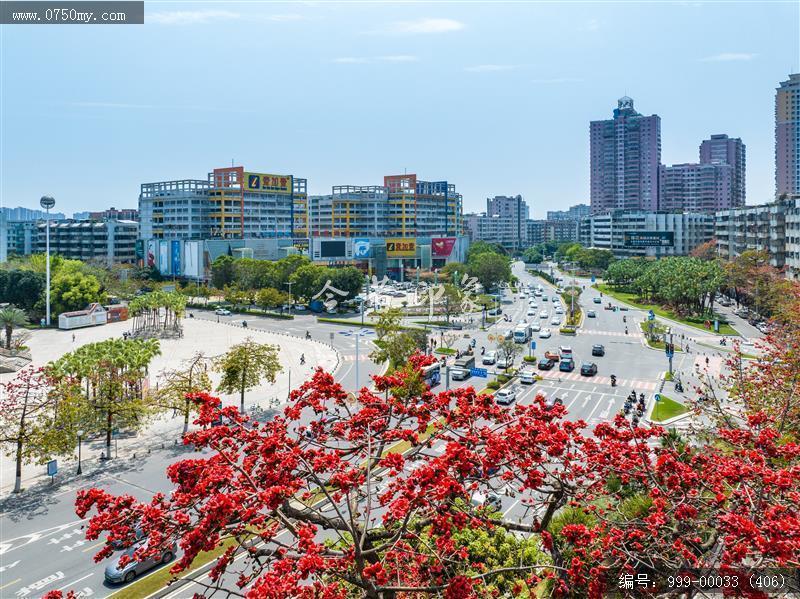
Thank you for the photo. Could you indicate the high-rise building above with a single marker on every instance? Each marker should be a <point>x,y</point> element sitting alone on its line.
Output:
<point>351,211</point>
<point>28,214</point>
<point>115,214</point>
<point>625,154</point>
<point>696,187</point>
<point>513,208</point>
<point>721,149</point>
<point>787,136</point>
<point>174,210</point>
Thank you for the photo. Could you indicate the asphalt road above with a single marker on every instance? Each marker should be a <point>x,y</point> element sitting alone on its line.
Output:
<point>42,522</point>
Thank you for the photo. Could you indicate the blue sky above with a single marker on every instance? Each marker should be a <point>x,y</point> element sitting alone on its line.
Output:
<point>495,97</point>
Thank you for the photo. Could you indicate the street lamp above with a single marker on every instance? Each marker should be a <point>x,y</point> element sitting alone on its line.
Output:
<point>80,439</point>
<point>47,202</point>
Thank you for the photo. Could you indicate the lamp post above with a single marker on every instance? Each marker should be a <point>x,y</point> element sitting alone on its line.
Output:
<point>80,440</point>
<point>47,202</point>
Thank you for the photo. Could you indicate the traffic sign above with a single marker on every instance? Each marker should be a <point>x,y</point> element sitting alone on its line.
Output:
<point>52,467</point>
<point>657,397</point>
<point>479,372</point>
<point>533,345</point>
<point>593,279</point>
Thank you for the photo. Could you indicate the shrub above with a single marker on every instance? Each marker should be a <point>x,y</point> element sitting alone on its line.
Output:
<point>493,385</point>
<point>529,359</point>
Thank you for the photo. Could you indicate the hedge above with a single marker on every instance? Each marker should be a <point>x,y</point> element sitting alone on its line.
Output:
<point>246,311</point>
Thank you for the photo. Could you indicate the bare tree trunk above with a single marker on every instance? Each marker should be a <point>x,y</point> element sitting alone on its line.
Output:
<point>18,477</point>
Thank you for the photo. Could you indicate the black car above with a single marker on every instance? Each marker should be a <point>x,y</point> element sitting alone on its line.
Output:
<point>588,369</point>
<point>598,350</point>
<point>546,364</point>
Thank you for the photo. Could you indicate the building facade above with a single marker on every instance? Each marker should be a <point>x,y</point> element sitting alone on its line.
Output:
<point>502,230</point>
<point>28,214</point>
<point>625,154</point>
<point>696,187</point>
<point>721,149</point>
<point>174,210</point>
<point>513,208</point>
<point>773,227</point>
<point>576,212</point>
<point>787,137</point>
<point>115,214</point>
<point>639,233</point>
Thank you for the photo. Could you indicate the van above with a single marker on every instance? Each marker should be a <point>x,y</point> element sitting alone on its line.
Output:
<point>565,351</point>
<point>461,368</point>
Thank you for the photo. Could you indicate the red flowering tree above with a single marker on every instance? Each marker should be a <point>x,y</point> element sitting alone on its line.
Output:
<point>373,497</point>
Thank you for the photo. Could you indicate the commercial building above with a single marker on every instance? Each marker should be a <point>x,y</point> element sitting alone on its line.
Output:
<point>576,212</point>
<point>109,242</point>
<point>773,227</point>
<point>115,214</point>
<point>351,211</point>
<point>625,154</point>
<point>631,233</point>
<point>787,136</point>
<point>231,204</point>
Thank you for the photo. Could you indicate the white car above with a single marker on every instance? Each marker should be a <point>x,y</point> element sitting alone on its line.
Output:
<point>505,397</point>
<point>544,314</point>
<point>222,312</point>
<point>545,334</point>
<point>536,327</point>
<point>559,310</point>
<point>490,357</point>
<point>531,312</point>
<point>505,362</point>
<point>555,321</point>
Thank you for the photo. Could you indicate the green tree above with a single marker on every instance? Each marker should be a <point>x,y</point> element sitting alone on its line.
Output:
<point>74,291</point>
<point>22,288</point>
<point>450,300</point>
<point>270,298</point>
<point>308,280</point>
<point>175,391</point>
<point>387,321</point>
<point>10,318</point>
<point>490,269</point>
<point>110,375</point>
<point>222,271</point>
<point>348,279</point>
<point>484,247</point>
<point>508,348</point>
<point>285,268</point>
<point>245,365</point>
<point>533,255</point>
<point>252,274</point>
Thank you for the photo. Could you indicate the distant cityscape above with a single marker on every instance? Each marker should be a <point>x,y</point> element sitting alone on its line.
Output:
<point>637,207</point>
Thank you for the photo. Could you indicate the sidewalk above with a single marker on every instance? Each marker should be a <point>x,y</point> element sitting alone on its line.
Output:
<point>199,335</point>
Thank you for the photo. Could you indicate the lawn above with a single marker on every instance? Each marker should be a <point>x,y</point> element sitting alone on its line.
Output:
<point>697,323</point>
<point>659,343</point>
<point>445,350</point>
<point>666,409</point>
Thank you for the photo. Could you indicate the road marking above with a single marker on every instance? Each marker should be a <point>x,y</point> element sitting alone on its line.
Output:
<point>8,584</point>
<point>93,546</point>
<point>74,582</point>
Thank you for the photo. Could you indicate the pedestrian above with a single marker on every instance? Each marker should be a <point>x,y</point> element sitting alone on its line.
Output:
<point>73,337</point>
<point>706,360</point>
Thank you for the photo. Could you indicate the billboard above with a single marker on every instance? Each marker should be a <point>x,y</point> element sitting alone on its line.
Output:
<point>332,249</point>
<point>648,239</point>
<point>176,257</point>
<point>401,247</point>
<point>192,259</point>
<point>301,243</point>
<point>269,183</point>
<point>152,250</point>
<point>140,249</point>
<point>442,247</point>
<point>361,249</point>
<point>163,257</point>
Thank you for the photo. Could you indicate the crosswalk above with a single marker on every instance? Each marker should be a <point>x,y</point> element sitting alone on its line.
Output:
<point>599,380</point>
<point>631,333</point>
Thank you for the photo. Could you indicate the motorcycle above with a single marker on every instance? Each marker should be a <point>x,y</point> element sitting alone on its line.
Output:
<point>613,381</point>
<point>483,350</point>
<point>308,335</point>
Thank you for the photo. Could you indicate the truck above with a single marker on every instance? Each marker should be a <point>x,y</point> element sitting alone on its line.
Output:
<point>461,368</point>
<point>522,333</point>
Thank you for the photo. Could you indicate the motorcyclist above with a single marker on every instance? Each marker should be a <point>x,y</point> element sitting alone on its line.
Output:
<point>626,330</point>
<point>483,349</point>
<point>244,323</point>
<point>613,380</point>
<point>624,318</point>
<point>302,358</point>
<point>308,335</point>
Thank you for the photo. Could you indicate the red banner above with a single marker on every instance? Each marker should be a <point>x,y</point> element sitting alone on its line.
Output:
<point>442,247</point>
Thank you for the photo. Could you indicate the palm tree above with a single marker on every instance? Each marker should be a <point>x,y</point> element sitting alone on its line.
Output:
<point>11,317</point>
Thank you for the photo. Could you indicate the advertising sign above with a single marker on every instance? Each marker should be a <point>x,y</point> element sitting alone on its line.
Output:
<point>191,259</point>
<point>152,250</point>
<point>401,247</point>
<point>647,239</point>
<point>272,183</point>
<point>140,249</point>
<point>332,249</point>
<point>442,246</point>
<point>361,249</point>
<point>163,257</point>
<point>176,257</point>
<point>301,244</point>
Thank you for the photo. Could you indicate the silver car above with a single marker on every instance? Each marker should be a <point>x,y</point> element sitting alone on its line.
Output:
<point>116,574</point>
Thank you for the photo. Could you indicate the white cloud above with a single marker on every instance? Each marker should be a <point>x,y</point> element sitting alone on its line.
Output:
<point>490,68</point>
<point>190,17</point>
<point>424,25</point>
<point>557,80</point>
<point>729,57</point>
<point>367,60</point>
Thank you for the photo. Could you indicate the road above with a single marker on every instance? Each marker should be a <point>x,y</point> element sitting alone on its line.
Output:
<point>42,521</point>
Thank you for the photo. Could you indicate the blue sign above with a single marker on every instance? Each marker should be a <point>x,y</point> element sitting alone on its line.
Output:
<point>176,257</point>
<point>480,372</point>
<point>657,397</point>
<point>593,279</point>
<point>361,249</point>
<point>533,345</point>
<point>52,467</point>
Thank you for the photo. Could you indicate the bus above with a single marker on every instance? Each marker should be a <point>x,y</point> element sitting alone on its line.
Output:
<point>522,333</point>
<point>432,374</point>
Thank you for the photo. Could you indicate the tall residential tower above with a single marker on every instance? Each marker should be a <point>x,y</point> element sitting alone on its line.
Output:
<point>625,158</point>
<point>787,136</point>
